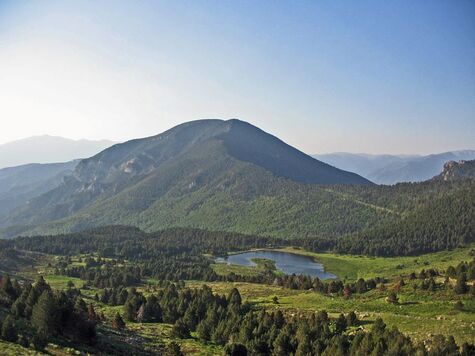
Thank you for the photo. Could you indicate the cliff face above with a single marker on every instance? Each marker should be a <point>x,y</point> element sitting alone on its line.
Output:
<point>457,170</point>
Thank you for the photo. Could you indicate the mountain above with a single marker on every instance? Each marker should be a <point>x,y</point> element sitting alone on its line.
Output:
<point>207,173</point>
<point>48,149</point>
<point>20,184</point>
<point>392,169</point>
<point>454,171</point>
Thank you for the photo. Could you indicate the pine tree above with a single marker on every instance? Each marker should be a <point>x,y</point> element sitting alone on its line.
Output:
<point>8,289</point>
<point>282,344</point>
<point>173,349</point>
<point>347,292</point>
<point>378,326</point>
<point>39,340</point>
<point>45,314</point>
<point>153,311</point>
<point>235,349</point>
<point>340,324</point>
<point>461,286</point>
<point>181,330</point>
<point>392,298</point>
<point>91,313</point>
<point>234,297</point>
<point>118,323</point>
<point>70,284</point>
<point>80,308</point>
<point>18,307</point>
<point>451,272</point>
<point>130,312</point>
<point>9,332</point>
<point>23,341</point>
<point>304,347</point>
<point>141,314</point>
<point>204,330</point>
<point>337,347</point>
<point>351,319</point>
<point>41,285</point>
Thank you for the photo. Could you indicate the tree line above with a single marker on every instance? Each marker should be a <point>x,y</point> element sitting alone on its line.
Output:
<point>47,314</point>
<point>244,330</point>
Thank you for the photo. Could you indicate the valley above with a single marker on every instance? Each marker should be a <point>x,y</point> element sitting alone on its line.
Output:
<point>237,178</point>
<point>215,237</point>
<point>427,302</point>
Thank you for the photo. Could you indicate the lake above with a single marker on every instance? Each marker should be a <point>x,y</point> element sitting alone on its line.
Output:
<point>288,263</point>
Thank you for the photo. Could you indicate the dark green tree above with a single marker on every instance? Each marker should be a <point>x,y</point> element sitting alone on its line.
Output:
<point>118,323</point>
<point>340,324</point>
<point>39,340</point>
<point>45,315</point>
<point>392,297</point>
<point>181,330</point>
<point>173,349</point>
<point>351,319</point>
<point>461,287</point>
<point>9,331</point>
<point>235,349</point>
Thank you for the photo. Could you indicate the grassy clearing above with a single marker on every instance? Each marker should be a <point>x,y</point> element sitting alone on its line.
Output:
<point>352,267</point>
<point>419,314</point>
<point>223,269</point>
<point>61,282</point>
<point>12,349</point>
<point>159,334</point>
<point>155,334</point>
<point>262,265</point>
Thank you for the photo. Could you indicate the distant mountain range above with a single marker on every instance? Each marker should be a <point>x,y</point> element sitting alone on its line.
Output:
<point>48,149</point>
<point>392,169</point>
<point>20,184</point>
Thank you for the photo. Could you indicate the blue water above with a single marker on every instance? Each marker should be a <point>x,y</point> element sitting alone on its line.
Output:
<point>289,263</point>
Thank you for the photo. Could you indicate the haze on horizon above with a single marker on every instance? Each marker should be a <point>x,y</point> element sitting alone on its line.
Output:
<point>368,77</point>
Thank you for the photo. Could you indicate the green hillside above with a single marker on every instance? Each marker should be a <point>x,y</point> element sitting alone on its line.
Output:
<point>199,161</point>
<point>201,175</point>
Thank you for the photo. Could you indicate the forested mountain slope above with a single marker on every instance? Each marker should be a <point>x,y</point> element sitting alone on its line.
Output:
<point>230,176</point>
<point>185,176</point>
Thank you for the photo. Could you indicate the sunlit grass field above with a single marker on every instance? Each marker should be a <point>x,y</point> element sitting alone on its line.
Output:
<point>420,313</point>
<point>351,267</point>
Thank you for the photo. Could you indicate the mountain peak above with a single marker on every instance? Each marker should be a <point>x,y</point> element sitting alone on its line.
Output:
<point>229,158</point>
<point>238,139</point>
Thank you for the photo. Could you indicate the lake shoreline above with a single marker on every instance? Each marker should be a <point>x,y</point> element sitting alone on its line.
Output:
<point>286,262</point>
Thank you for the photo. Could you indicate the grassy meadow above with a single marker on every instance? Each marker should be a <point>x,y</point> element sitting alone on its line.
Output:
<point>421,314</point>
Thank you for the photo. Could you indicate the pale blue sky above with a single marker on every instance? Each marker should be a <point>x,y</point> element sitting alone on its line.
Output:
<point>357,76</point>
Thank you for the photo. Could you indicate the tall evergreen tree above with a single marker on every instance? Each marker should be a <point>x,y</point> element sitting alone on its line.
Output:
<point>461,287</point>
<point>118,323</point>
<point>45,316</point>
<point>181,330</point>
<point>9,331</point>
<point>235,349</point>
